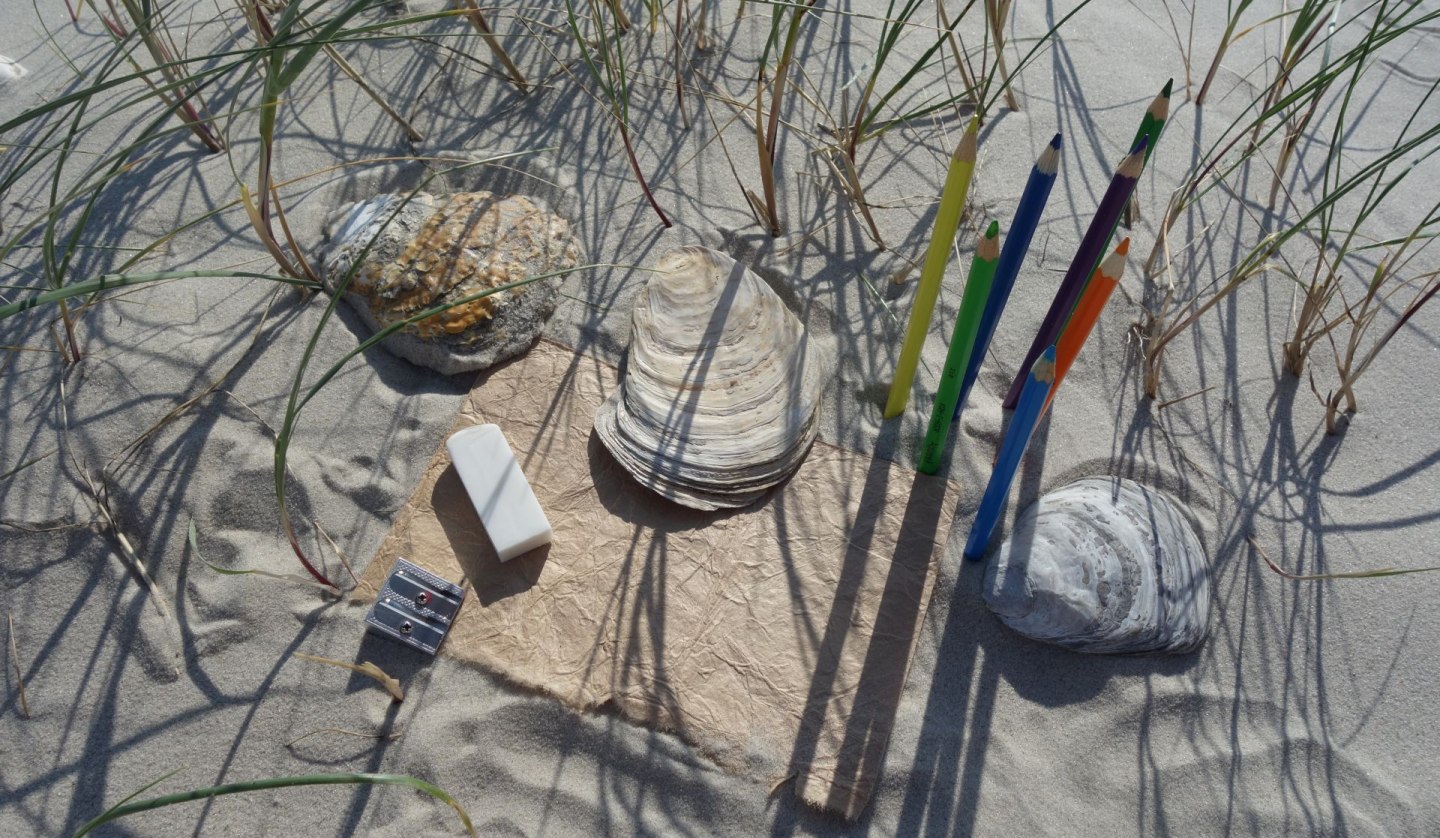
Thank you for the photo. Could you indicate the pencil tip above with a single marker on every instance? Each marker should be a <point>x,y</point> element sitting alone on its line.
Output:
<point>1049,160</point>
<point>969,145</point>
<point>1141,144</point>
<point>989,247</point>
<point>1166,92</point>
<point>1113,268</point>
<point>1043,370</point>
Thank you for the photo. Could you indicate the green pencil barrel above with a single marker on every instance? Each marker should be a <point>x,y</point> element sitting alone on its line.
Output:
<point>957,357</point>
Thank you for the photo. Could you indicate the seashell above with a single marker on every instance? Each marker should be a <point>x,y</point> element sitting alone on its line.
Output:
<point>11,70</point>
<point>720,396</point>
<point>435,249</point>
<point>1103,565</point>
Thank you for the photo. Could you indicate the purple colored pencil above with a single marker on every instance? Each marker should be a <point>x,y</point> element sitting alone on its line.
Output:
<point>1092,247</point>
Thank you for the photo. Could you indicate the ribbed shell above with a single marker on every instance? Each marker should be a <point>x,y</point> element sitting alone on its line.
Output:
<point>721,388</point>
<point>1103,565</point>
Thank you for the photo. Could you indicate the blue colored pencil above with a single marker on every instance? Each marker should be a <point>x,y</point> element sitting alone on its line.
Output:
<point>1017,438</point>
<point>1012,255</point>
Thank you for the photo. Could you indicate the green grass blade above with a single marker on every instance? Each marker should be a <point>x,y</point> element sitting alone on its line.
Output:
<point>113,281</point>
<point>125,808</point>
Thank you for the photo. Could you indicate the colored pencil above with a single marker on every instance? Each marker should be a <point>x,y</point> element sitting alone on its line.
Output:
<point>1092,247</point>
<point>1012,256</point>
<point>947,218</point>
<point>962,343</point>
<point>1022,426</point>
<point>1087,312</point>
<point>1151,126</point>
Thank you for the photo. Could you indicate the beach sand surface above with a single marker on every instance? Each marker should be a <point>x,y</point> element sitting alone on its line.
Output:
<point>1310,710</point>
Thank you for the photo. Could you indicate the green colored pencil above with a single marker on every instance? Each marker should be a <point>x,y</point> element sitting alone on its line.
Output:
<point>1151,125</point>
<point>947,219</point>
<point>962,342</point>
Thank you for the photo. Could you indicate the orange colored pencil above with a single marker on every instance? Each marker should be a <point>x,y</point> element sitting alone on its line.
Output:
<point>1087,312</point>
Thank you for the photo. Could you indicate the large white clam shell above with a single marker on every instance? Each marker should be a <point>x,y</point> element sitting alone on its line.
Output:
<point>1103,565</point>
<point>721,389</point>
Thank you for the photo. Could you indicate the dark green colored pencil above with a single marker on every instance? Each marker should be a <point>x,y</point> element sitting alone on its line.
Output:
<point>1151,125</point>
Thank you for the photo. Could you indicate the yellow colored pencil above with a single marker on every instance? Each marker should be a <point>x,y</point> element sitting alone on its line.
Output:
<point>1087,314</point>
<point>947,219</point>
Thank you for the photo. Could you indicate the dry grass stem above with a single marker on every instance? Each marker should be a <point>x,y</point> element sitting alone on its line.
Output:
<point>477,19</point>
<point>367,668</point>
<point>339,554</point>
<point>132,558</point>
<point>957,51</point>
<point>1165,404</point>
<point>996,13</point>
<point>15,662</point>
<point>1325,577</point>
<point>184,407</point>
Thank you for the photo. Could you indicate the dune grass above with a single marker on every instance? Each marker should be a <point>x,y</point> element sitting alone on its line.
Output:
<point>147,81</point>
<point>604,58</point>
<point>767,128</point>
<point>282,50</point>
<point>1350,198</point>
<point>153,32</point>
<point>126,807</point>
<point>967,61</point>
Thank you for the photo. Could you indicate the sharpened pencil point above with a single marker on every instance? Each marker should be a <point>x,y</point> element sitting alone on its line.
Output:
<point>1134,163</point>
<point>1124,248</point>
<point>1049,160</point>
<point>1166,91</point>
<point>1044,368</point>
<point>970,143</point>
<point>989,247</point>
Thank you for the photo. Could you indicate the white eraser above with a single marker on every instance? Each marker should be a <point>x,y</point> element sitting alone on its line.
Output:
<point>498,488</point>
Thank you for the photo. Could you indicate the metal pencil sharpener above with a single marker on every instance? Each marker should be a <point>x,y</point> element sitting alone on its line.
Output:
<point>415,607</point>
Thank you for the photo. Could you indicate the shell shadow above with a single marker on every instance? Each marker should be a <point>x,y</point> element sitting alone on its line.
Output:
<point>623,497</point>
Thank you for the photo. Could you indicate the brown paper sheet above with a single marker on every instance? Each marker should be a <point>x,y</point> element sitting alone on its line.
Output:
<point>775,638</point>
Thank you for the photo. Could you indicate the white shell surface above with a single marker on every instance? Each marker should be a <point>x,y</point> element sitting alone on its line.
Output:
<point>1103,565</point>
<point>721,390</point>
<point>11,70</point>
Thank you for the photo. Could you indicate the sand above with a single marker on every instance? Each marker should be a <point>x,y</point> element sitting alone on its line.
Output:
<point>1310,710</point>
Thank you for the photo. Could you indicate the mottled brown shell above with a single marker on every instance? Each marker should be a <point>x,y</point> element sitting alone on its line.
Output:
<point>431,251</point>
<point>471,243</point>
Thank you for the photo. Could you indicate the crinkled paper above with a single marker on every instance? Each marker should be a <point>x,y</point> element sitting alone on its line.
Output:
<point>775,638</point>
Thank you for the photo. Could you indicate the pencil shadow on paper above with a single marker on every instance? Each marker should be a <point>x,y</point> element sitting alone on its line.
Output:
<point>854,692</point>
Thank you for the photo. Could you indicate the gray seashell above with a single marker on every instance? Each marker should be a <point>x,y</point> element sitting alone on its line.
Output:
<point>721,392</point>
<point>1103,565</point>
<point>435,249</point>
<point>11,70</point>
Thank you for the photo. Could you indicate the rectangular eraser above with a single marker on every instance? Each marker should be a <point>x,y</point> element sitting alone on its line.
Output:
<point>497,487</point>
